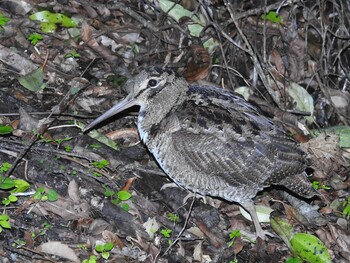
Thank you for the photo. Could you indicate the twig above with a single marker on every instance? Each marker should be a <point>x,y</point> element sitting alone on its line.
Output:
<point>263,76</point>
<point>184,226</point>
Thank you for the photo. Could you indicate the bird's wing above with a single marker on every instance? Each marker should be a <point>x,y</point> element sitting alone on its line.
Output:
<point>238,145</point>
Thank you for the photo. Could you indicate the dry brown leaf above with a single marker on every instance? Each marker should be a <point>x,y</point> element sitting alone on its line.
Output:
<point>58,249</point>
<point>198,68</point>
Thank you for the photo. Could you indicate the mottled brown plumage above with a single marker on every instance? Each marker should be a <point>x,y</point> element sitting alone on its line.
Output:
<point>211,141</point>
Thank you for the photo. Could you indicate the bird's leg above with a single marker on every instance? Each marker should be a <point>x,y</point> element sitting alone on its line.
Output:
<point>250,207</point>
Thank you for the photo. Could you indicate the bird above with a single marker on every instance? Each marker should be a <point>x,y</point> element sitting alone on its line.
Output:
<point>211,141</point>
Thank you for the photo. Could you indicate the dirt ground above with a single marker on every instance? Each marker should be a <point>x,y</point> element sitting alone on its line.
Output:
<point>69,196</point>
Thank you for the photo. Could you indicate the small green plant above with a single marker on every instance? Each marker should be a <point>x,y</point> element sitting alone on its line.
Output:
<point>316,185</point>
<point>3,20</point>
<point>233,235</point>
<point>45,227</point>
<point>72,54</point>
<point>104,249</point>
<point>174,218</point>
<point>18,243</point>
<point>5,167</point>
<point>273,17</point>
<point>92,259</point>
<point>4,222</point>
<point>95,146</point>
<point>42,195</point>
<point>34,38</point>
<point>10,199</point>
<point>346,209</point>
<point>68,148</point>
<point>118,198</point>
<point>166,232</point>
<point>100,164</point>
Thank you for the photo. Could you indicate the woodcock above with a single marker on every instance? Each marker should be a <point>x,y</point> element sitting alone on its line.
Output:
<point>211,141</point>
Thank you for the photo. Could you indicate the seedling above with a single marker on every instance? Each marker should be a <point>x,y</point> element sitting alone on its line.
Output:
<point>233,235</point>
<point>104,249</point>
<point>118,198</point>
<point>3,20</point>
<point>72,54</point>
<point>4,222</point>
<point>167,234</point>
<point>316,185</point>
<point>174,218</point>
<point>10,199</point>
<point>100,164</point>
<point>42,195</point>
<point>273,17</point>
<point>68,148</point>
<point>34,38</point>
<point>5,167</point>
<point>346,210</point>
<point>92,259</point>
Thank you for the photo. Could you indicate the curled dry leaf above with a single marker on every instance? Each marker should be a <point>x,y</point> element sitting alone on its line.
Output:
<point>324,152</point>
<point>198,67</point>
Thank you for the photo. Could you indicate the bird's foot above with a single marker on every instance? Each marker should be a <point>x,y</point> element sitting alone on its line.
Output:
<point>168,185</point>
<point>195,195</point>
<point>263,234</point>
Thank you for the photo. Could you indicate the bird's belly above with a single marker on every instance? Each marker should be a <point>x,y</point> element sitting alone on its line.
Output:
<point>195,180</point>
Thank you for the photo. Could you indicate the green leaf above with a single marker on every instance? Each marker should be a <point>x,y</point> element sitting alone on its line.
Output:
<point>293,260</point>
<point>303,100</point>
<point>100,164</point>
<point>5,129</point>
<point>49,20</point>
<point>47,27</point>
<point>6,202</point>
<point>99,248</point>
<point>282,228</point>
<point>273,17</point>
<point>4,217</point>
<point>5,167</point>
<point>125,207</point>
<point>5,224</point>
<point>108,192</point>
<point>105,255</point>
<point>33,81</point>
<point>309,248</point>
<point>234,234</point>
<point>35,38</point>
<point>101,138</point>
<point>3,20</point>
<point>177,12</point>
<point>20,186</point>
<point>109,246</point>
<point>52,195</point>
<point>166,232</point>
<point>263,213</point>
<point>124,195</point>
<point>12,198</point>
<point>8,183</point>
<point>346,211</point>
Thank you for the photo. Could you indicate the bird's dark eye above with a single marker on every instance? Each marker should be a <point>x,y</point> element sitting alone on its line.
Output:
<point>152,82</point>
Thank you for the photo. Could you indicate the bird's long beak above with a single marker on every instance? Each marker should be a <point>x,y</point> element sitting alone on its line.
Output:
<point>128,102</point>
